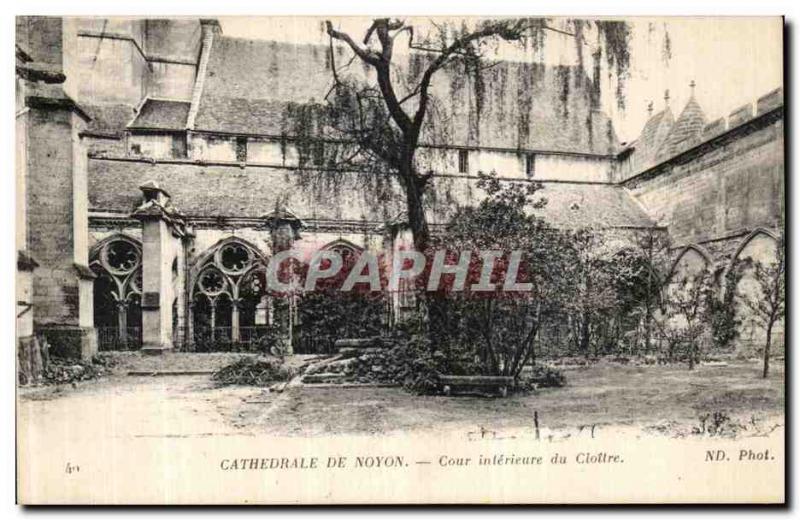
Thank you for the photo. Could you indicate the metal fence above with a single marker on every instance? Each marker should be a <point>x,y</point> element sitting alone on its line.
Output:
<point>112,338</point>
<point>220,339</point>
<point>251,339</point>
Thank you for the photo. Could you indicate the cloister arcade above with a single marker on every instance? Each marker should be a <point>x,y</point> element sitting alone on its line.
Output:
<point>228,301</point>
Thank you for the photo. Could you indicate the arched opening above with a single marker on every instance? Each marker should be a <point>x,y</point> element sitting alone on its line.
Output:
<point>691,262</point>
<point>684,305</point>
<point>328,313</point>
<point>757,249</point>
<point>227,291</point>
<point>117,293</point>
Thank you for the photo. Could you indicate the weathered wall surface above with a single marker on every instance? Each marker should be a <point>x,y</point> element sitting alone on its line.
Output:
<point>171,80</point>
<point>110,66</point>
<point>509,105</point>
<point>728,186</point>
<point>717,198</point>
<point>221,192</point>
<point>50,216</point>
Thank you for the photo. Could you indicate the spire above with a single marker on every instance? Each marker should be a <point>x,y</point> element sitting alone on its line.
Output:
<point>666,98</point>
<point>692,84</point>
<point>649,109</point>
<point>687,128</point>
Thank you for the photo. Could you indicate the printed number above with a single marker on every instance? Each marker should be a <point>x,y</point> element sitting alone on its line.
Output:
<point>72,468</point>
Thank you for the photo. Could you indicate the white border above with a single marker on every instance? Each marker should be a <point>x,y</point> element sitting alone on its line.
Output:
<point>320,7</point>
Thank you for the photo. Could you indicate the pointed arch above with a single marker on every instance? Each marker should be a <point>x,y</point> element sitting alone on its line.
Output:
<point>221,287</point>
<point>98,246</point>
<point>757,232</point>
<point>346,249</point>
<point>691,249</point>
<point>210,256</point>
<point>117,262</point>
<point>341,242</point>
<point>219,244</point>
<point>746,241</point>
<point>760,245</point>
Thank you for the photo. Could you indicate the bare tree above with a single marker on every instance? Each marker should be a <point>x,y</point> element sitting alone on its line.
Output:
<point>381,126</point>
<point>768,301</point>
<point>683,319</point>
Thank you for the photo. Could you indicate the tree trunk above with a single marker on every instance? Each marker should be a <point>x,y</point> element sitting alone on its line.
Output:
<point>416,212</point>
<point>766,350</point>
<point>648,323</point>
<point>584,336</point>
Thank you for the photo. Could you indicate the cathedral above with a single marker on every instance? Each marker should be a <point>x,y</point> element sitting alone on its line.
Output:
<point>157,171</point>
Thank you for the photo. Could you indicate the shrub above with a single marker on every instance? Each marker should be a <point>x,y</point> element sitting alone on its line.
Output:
<point>61,371</point>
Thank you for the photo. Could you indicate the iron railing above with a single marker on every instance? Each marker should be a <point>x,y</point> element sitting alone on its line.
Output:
<point>111,338</point>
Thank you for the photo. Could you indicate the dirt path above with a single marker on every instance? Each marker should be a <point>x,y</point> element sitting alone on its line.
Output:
<point>664,399</point>
<point>180,406</point>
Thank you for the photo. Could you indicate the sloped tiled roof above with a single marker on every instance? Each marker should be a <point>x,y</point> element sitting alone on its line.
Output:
<point>591,205</point>
<point>161,114</point>
<point>242,115</point>
<point>657,128</point>
<point>523,105</point>
<point>231,191</point>
<point>108,119</point>
<point>653,135</point>
<point>687,129</point>
<point>569,204</point>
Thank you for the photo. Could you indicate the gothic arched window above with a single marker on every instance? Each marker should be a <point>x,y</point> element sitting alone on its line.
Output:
<point>348,251</point>
<point>117,262</point>
<point>228,289</point>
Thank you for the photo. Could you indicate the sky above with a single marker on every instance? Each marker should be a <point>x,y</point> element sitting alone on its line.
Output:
<point>732,60</point>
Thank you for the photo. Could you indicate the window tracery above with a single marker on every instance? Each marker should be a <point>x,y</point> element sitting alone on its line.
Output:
<point>227,292</point>
<point>117,292</point>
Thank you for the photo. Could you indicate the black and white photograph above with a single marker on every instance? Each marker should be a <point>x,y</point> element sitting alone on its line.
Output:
<point>400,260</point>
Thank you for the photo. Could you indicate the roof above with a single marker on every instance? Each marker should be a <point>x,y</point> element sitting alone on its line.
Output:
<point>688,127</point>
<point>226,191</point>
<point>592,205</point>
<point>241,115</point>
<point>109,119</point>
<point>657,128</point>
<point>569,204</point>
<point>230,191</point>
<point>161,114</point>
<point>653,135</point>
<point>522,105</point>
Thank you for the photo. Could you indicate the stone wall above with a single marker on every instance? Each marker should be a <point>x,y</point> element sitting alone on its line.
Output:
<point>50,215</point>
<point>724,200</point>
<point>722,189</point>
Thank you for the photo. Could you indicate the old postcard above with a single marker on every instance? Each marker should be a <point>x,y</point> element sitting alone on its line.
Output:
<point>403,260</point>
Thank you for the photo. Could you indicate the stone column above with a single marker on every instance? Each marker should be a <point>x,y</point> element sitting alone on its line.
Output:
<point>188,339</point>
<point>284,228</point>
<point>213,319</point>
<point>122,323</point>
<point>235,332</point>
<point>162,232</point>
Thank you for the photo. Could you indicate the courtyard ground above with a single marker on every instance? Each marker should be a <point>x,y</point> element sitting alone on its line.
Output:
<point>662,400</point>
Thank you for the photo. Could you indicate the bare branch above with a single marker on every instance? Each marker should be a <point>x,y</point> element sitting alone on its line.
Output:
<point>365,54</point>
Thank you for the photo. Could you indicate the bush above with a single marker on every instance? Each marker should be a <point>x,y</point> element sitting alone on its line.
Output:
<point>422,366</point>
<point>253,371</point>
<point>61,371</point>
